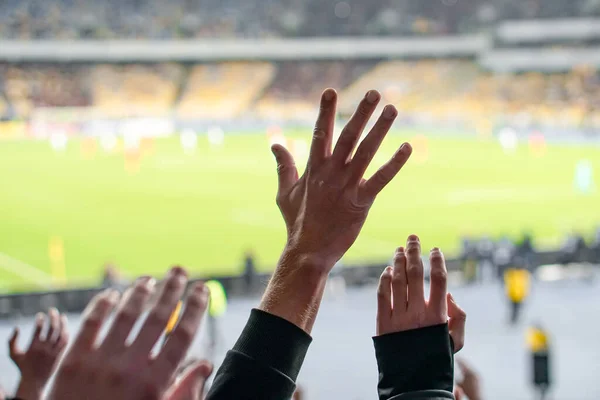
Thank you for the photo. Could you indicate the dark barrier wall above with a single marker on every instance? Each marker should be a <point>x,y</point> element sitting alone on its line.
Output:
<point>75,300</point>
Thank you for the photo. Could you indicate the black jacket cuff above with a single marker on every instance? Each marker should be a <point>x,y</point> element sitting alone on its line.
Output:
<point>415,360</point>
<point>275,342</point>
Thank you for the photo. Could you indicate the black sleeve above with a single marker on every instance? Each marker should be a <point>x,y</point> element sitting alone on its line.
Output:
<point>415,364</point>
<point>265,361</point>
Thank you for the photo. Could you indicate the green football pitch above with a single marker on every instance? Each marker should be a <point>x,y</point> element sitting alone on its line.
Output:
<point>205,210</point>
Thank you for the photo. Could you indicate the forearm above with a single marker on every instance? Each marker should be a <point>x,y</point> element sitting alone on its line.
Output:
<point>296,289</point>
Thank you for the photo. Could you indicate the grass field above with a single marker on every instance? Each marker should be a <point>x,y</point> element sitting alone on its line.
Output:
<point>204,210</point>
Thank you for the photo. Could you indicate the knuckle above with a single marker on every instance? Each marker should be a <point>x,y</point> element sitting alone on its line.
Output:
<point>439,275</point>
<point>158,317</point>
<point>363,110</point>
<point>413,250</point>
<point>398,278</point>
<point>184,333</point>
<point>172,285</point>
<point>415,272</point>
<point>93,322</point>
<point>142,290</point>
<point>318,133</point>
<point>128,315</point>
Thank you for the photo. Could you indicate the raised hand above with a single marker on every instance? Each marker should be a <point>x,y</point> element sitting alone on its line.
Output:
<point>38,362</point>
<point>192,380</point>
<point>325,209</point>
<point>115,369</point>
<point>401,302</point>
<point>470,385</point>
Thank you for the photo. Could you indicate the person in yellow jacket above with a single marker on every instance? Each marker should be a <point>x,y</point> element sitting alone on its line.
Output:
<point>539,348</point>
<point>516,284</point>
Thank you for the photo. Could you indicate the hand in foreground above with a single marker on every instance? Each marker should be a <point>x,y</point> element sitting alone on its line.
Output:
<point>117,370</point>
<point>325,209</point>
<point>401,299</point>
<point>38,362</point>
<point>470,385</point>
<point>192,379</point>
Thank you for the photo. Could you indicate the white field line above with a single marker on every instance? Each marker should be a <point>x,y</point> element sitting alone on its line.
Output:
<point>25,271</point>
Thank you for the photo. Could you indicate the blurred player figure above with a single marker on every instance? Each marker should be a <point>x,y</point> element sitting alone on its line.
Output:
<point>583,181</point>
<point>249,271</point>
<point>573,249</point>
<point>111,277</point>
<point>596,247</point>
<point>485,255</point>
<point>526,251</point>
<point>516,285</point>
<point>504,256</point>
<point>468,258</point>
<point>538,344</point>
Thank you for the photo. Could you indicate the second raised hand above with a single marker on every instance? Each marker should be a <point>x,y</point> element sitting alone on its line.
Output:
<point>325,209</point>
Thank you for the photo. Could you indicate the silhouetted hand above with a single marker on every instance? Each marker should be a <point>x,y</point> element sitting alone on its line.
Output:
<point>325,209</point>
<point>38,362</point>
<point>114,369</point>
<point>401,299</point>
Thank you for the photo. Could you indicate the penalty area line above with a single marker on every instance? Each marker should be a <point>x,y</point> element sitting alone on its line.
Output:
<point>25,271</point>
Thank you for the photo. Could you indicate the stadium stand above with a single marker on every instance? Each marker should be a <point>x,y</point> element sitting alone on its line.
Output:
<point>292,92</point>
<point>425,91</point>
<point>134,89</point>
<point>154,19</point>
<point>223,90</point>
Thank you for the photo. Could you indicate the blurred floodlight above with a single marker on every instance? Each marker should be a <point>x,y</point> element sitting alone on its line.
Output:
<point>189,141</point>
<point>108,142</point>
<point>58,141</point>
<point>216,136</point>
<point>508,139</point>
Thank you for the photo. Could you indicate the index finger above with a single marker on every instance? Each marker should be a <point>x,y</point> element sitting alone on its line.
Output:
<point>320,148</point>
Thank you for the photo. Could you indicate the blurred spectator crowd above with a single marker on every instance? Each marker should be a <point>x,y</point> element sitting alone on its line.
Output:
<point>453,92</point>
<point>155,19</point>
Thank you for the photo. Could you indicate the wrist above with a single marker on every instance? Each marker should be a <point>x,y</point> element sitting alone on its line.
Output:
<point>28,390</point>
<point>296,288</point>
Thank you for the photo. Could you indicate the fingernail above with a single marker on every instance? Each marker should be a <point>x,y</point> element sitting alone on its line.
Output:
<point>413,238</point>
<point>275,151</point>
<point>389,111</point>
<point>372,96</point>
<point>328,94</point>
<point>451,297</point>
<point>435,249</point>
<point>405,148</point>
<point>388,270</point>
<point>400,249</point>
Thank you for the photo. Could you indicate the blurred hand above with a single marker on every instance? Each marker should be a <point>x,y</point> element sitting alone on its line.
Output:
<point>38,362</point>
<point>117,370</point>
<point>401,303</point>
<point>192,380</point>
<point>325,209</point>
<point>471,383</point>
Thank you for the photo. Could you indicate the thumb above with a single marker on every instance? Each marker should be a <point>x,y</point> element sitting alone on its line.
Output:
<point>13,351</point>
<point>191,384</point>
<point>458,393</point>
<point>456,323</point>
<point>286,167</point>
